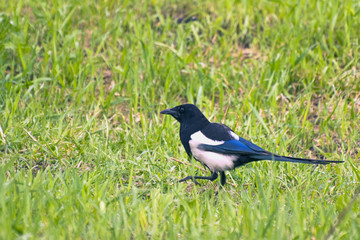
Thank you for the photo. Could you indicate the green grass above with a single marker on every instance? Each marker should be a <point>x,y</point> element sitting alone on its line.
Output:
<point>85,154</point>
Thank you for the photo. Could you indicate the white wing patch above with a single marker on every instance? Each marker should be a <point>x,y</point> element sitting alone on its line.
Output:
<point>216,162</point>
<point>234,135</point>
<point>201,138</point>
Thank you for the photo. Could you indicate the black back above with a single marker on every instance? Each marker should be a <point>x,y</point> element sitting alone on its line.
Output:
<point>217,132</point>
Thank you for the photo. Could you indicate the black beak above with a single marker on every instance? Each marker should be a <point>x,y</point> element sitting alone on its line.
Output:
<point>171,112</point>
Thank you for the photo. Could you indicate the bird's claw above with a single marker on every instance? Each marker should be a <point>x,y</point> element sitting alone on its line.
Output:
<point>190,178</point>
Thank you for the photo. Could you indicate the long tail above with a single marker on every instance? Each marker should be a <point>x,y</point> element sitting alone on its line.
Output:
<point>292,159</point>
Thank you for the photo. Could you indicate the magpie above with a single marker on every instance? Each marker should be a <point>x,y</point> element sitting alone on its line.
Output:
<point>217,147</point>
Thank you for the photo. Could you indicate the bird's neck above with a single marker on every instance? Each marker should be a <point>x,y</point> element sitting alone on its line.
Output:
<point>193,125</point>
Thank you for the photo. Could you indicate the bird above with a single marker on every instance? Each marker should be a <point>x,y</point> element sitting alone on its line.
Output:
<point>217,147</point>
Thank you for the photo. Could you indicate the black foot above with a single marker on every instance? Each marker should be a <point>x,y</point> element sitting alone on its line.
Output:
<point>222,178</point>
<point>213,176</point>
<point>190,178</point>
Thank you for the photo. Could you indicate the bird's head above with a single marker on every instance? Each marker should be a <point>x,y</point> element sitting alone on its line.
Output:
<point>185,113</point>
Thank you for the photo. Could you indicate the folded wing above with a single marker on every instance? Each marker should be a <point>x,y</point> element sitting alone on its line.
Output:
<point>249,152</point>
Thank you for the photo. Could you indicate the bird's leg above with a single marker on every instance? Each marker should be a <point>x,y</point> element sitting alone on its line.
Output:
<point>222,181</point>
<point>222,178</point>
<point>212,177</point>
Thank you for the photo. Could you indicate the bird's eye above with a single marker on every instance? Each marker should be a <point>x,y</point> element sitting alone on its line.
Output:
<point>181,110</point>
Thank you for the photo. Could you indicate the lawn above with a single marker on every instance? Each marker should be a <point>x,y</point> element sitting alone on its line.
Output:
<point>85,153</point>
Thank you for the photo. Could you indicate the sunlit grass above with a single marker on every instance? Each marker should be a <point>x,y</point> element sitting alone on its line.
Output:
<point>85,153</point>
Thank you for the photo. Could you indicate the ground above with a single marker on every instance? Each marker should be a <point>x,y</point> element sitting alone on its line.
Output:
<point>85,154</point>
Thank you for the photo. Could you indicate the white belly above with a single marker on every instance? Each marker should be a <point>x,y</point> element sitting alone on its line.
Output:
<point>216,162</point>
